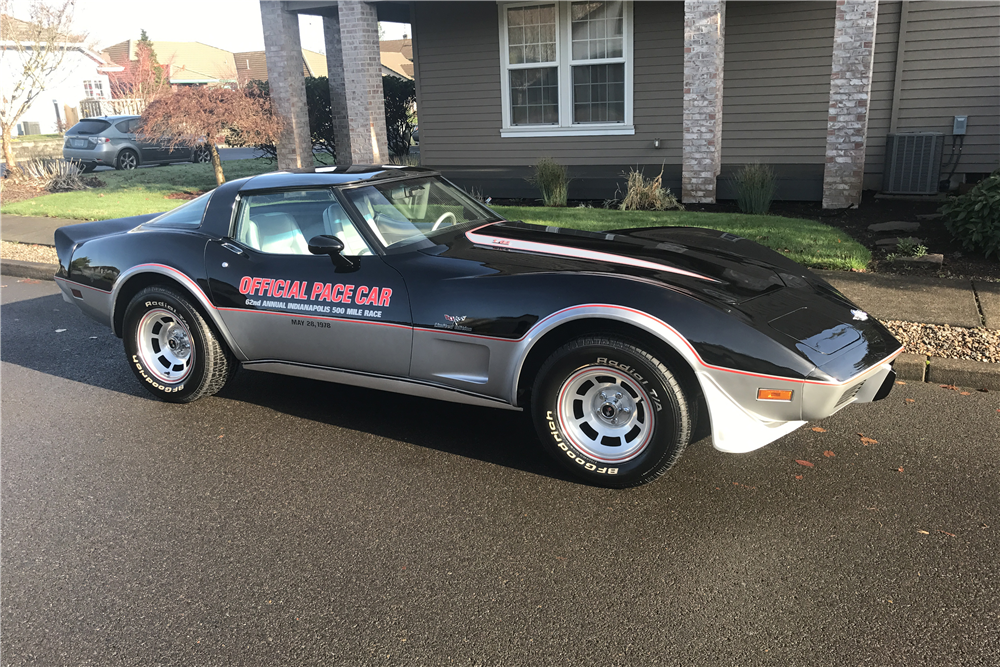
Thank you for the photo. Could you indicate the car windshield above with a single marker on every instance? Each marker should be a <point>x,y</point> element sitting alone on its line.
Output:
<point>404,212</point>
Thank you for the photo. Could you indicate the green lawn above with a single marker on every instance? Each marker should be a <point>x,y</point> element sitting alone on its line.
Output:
<point>808,242</point>
<point>135,192</point>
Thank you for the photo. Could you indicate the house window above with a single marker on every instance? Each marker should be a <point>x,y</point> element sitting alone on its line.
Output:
<point>93,90</point>
<point>566,68</point>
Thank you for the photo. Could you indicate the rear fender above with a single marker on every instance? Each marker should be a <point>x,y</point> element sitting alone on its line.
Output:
<point>118,303</point>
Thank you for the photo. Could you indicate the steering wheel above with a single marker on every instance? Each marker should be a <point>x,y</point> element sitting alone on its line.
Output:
<point>437,223</point>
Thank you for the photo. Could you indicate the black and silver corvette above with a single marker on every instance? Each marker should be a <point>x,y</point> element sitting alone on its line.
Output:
<point>395,279</point>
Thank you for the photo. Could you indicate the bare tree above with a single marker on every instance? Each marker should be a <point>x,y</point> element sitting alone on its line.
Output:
<point>32,51</point>
<point>196,114</point>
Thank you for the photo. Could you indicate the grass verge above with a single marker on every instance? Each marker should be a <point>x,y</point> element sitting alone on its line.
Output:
<point>135,192</point>
<point>807,242</point>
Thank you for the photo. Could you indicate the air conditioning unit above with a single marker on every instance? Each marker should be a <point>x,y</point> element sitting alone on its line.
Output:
<point>912,163</point>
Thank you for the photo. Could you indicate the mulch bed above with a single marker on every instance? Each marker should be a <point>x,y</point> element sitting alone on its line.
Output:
<point>13,192</point>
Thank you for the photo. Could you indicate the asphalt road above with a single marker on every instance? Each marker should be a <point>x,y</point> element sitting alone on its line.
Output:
<point>288,522</point>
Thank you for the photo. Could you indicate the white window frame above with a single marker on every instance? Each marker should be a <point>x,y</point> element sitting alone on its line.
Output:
<point>564,66</point>
<point>95,85</point>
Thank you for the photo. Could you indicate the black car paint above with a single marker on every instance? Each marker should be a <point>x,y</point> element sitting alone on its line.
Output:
<point>502,294</point>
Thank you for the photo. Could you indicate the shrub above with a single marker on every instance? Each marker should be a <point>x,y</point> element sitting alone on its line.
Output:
<point>755,185</point>
<point>320,117</point>
<point>52,175</point>
<point>974,218</point>
<point>910,247</point>
<point>400,95</point>
<point>648,194</point>
<point>550,179</point>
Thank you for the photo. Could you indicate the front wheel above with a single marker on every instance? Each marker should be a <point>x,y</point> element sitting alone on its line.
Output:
<point>611,413</point>
<point>172,349</point>
<point>201,154</point>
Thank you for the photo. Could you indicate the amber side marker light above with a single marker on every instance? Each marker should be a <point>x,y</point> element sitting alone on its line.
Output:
<point>774,394</point>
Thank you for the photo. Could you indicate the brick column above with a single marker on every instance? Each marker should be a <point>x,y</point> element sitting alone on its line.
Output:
<point>355,70</point>
<point>283,50</point>
<point>850,88</point>
<point>338,88</point>
<point>704,51</point>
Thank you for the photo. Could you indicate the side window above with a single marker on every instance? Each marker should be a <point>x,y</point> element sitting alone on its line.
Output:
<point>282,223</point>
<point>185,215</point>
<point>123,127</point>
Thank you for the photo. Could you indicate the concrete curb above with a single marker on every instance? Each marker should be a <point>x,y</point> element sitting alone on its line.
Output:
<point>20,269</point>
<point>964,373</point>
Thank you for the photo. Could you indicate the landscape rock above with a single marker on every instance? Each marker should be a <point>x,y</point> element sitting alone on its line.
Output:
<point>895,226</point>
<point>930,261</point>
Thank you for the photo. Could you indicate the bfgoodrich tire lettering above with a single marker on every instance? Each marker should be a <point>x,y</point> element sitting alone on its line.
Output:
<point>171,348</point>
<point>611,413</point>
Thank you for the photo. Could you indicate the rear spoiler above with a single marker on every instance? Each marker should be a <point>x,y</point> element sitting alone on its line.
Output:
<point>67,238</point>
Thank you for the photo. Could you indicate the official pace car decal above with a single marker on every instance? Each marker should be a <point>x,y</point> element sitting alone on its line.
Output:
<point>300,295</point>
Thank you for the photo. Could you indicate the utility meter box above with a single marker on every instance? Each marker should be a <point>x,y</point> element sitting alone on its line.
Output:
<point>961,122</point>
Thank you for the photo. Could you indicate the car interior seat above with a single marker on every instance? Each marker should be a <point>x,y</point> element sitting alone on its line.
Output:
<point>336,223</point>
<point>277,233</point>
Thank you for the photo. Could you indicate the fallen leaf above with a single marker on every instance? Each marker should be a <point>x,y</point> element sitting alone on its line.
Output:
<point>965,393</point>
<point>798,477</point>
<point>947,533</point>
<point>868,441</point>
<point>828,454</point>
<point>819,429</point>
<point>804,463</point>
<point>984,390</point>
<point>900,382</point>
<point>949,386</point>
<point>923,532</point>
<point>910,400</point>
<point>900,468</point>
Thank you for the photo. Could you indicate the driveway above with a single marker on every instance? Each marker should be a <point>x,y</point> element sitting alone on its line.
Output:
<point>290,522</point>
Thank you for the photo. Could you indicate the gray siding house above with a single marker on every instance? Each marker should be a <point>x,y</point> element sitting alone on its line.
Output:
<point>694,88</point>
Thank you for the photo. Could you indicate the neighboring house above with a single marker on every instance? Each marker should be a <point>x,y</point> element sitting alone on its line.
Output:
<point>396,58</point>
<point>697,89</point>
<point>185,63</point>
<point>83,75</point>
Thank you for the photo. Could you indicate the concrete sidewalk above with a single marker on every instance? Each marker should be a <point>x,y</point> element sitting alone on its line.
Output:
<point>927,300</point>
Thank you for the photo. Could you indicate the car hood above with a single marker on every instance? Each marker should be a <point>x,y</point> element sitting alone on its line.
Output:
<point>714,265</point>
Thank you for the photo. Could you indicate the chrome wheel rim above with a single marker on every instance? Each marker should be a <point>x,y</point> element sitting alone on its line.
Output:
<point>605,414</point>
<point>204,155</point>
<point>128,161</point>
<point>165,346</point>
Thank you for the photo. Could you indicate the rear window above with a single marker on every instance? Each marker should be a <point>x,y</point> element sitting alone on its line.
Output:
<point>89,126</point>
<point>186,215</point>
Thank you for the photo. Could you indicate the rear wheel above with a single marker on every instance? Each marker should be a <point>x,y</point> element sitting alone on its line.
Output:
<point>201,154</point>
<point>172,349</point>
<point>611,413</point>
<point>127,159</point>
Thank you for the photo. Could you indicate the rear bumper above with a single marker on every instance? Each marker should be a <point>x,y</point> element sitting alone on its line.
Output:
<point>102,155</point>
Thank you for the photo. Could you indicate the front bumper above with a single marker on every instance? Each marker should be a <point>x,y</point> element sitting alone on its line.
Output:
<point>742,423</point>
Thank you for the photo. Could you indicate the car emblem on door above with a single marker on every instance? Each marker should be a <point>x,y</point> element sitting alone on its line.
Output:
<point>455,319</point>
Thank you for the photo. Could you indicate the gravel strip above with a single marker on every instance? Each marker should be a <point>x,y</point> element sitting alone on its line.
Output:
<point>979,344</point>
<point>27,252</point>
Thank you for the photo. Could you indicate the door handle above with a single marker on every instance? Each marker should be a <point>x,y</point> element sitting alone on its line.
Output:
<point>232,248</point>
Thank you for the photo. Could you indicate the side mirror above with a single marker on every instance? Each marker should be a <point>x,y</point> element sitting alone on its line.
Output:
<point>325,244</point>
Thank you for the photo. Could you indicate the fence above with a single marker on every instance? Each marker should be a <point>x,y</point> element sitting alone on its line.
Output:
<point>92,108</point>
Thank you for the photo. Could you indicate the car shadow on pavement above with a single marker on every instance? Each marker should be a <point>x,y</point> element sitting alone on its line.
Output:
<point>500,437</point>
<point>50,336</point>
